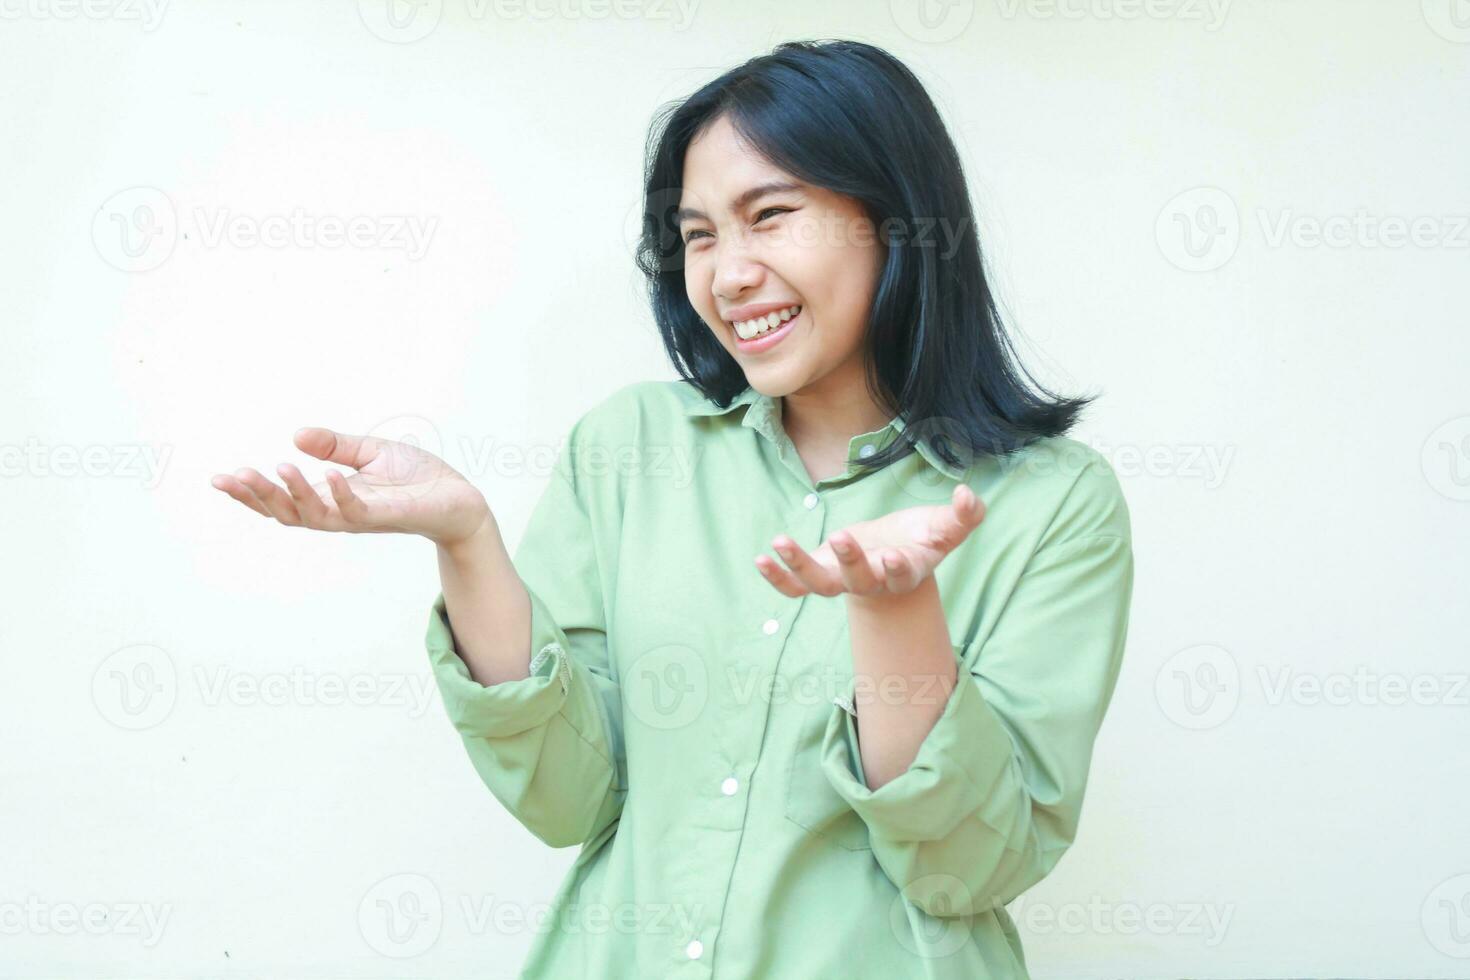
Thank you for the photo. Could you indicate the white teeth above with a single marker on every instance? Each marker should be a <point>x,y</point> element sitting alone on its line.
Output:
<point>747,329</point>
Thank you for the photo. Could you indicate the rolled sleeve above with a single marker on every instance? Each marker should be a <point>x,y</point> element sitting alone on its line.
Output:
<point>994,794</point>
<point>549,745</point>
<point>507,708</point>
<point>953,775</point>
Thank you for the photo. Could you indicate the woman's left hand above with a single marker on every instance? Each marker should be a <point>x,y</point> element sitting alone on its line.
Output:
<point>890,555</point>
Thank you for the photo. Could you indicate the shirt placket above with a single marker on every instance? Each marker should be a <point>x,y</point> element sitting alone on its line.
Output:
<point>720,818</point>
<point>723,813</point>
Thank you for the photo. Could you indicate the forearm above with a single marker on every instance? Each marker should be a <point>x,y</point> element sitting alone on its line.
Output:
<point>905,669</point>
<point>488,606</point>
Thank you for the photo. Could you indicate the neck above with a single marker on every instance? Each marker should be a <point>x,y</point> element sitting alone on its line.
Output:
<point>822,413</point>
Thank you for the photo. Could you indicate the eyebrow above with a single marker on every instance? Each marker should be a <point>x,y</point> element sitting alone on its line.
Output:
<point>745,198</point>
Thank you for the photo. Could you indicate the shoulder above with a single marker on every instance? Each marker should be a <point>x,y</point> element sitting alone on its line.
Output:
<point>658,396</point>
<point>636,413</point>
<point>642,402</point>
<point>1078,484</point>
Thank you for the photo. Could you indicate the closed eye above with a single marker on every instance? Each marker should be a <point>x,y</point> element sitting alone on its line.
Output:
<point>760,216</point>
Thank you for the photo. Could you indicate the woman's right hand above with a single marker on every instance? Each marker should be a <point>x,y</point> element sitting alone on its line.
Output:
<point>397,488</point>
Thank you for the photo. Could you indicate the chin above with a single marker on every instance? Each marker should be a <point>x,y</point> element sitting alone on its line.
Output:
<point>771,382</point>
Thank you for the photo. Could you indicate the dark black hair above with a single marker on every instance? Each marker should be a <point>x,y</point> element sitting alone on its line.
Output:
<point>852,118</point>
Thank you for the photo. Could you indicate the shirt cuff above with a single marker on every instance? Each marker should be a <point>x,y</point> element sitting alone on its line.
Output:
<point>507,708</point>
<point>953,775</point>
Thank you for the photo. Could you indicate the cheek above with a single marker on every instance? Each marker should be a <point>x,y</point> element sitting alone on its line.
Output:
<point>860,267</point>
<point>846,295</point>
<point>697,289</point>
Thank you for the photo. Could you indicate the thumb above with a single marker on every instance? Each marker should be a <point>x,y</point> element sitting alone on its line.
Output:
<point>954,523</point>
<point>968,507</point>
<point>337,447</point>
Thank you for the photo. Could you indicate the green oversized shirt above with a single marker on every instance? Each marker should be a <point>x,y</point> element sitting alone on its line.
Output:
<point>693,729</point>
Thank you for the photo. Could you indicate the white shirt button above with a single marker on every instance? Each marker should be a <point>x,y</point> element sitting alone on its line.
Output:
<point>729,786</point>
<point>811,500</point>
<point>695,949</point>
<point>867,451</point>
<point>771,626</point>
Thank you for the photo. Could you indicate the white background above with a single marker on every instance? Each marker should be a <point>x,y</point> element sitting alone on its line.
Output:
<point>1288,412</point>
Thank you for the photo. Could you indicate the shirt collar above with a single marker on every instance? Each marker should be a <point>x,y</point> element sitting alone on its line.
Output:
<point>701,405</point>
<point>763,414</point>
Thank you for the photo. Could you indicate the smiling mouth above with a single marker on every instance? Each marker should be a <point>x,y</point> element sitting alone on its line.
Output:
<point>764,326</point>
<point>769,337</point>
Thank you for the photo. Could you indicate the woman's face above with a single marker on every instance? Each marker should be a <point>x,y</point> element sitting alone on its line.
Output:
<point>796,245</point>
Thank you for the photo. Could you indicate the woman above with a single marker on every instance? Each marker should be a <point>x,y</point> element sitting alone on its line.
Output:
<point>766,780</point>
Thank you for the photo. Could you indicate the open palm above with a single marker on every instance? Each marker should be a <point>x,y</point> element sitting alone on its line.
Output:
<point>398,488</point>
<point>889,555</point>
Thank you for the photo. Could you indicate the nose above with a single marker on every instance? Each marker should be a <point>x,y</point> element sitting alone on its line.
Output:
<point>735,273</point>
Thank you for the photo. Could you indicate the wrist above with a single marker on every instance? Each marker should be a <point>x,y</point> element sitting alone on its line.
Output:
<point>461,550</point>
<point>886,602</point>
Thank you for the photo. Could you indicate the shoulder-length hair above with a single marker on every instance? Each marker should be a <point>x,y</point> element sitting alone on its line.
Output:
<point>852,118</point>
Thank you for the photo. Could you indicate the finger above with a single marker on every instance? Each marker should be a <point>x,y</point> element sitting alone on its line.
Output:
<point>968,507</point>
<point>952,524</point>
<point>816,578</point>
<point>900,573</point>
<point>853,565</point>
<point>273,497</point>
<point>351,506</point>
<point>313,510</point>
<point>338,447</point>
<point>785,583</point>
<point>240,492</point>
